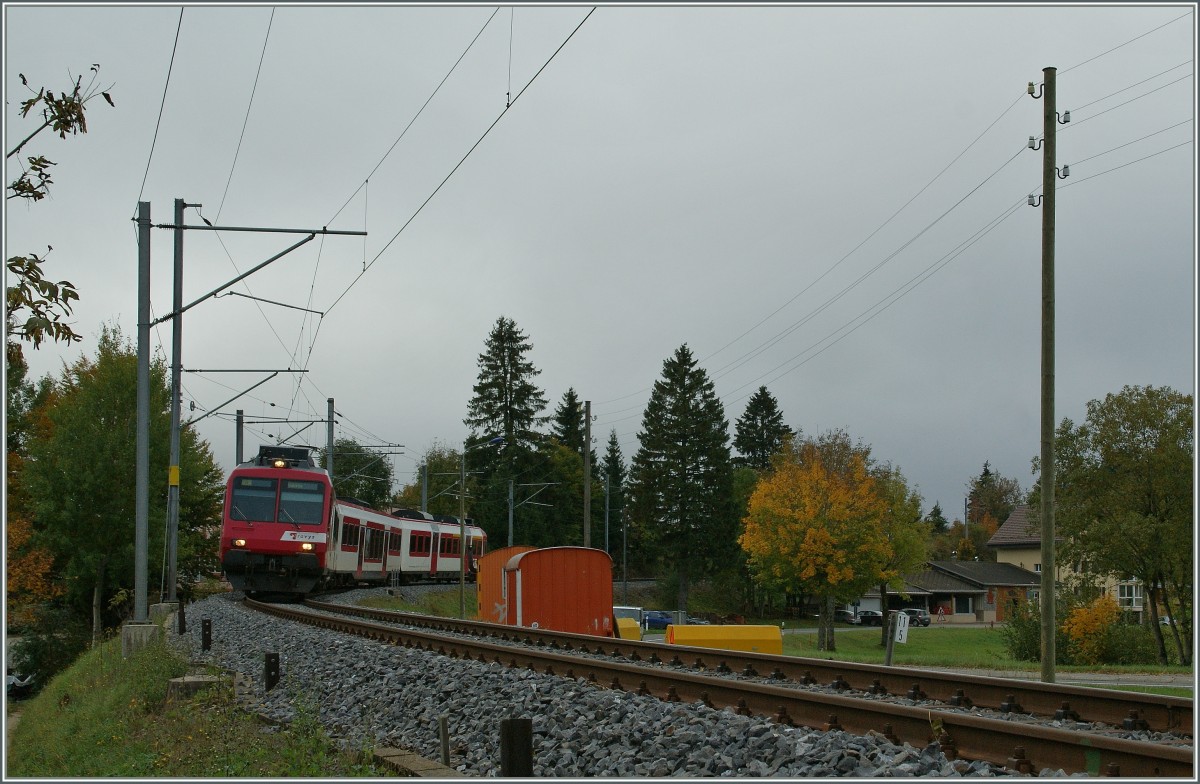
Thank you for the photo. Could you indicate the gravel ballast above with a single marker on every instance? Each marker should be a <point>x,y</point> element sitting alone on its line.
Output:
<point>369,694</point>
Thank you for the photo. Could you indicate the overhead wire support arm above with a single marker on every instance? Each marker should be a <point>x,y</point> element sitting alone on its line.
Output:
<point>230,400</point>
<point>312,233</point>
<point>261,230</point>
<point>271,301</point>
<point>244,275</point>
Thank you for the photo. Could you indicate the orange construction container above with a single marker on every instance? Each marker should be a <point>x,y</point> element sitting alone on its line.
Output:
<point>567,589</point>
<point>489,583</point>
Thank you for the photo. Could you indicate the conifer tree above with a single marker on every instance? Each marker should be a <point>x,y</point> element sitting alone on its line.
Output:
<point>506,403</point>
<point>613,470</point>
<point>681,479</point>
<point>760,431</point>
<point>937,519</point>
<point>568,421</point>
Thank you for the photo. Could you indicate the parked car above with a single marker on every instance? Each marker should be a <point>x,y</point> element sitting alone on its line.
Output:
<point>657,620</point>
<point>917,616</point>
<point>845,616</point>
<point>870,617</point>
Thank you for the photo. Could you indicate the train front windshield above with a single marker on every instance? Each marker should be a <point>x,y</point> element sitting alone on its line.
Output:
<point>261,500</point>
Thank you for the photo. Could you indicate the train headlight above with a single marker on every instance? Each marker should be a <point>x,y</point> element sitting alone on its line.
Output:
<point>280,463</point>
<point>239,542</point>
<point>306,546</point>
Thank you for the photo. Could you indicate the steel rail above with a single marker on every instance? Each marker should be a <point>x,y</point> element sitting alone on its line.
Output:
<point>1133,711</point>
<point>1016,745</point>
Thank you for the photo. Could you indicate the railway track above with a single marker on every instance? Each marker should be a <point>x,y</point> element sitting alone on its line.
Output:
<point>701,675</point>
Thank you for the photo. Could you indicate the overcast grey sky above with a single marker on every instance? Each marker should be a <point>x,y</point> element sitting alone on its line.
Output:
<point>758,183</point>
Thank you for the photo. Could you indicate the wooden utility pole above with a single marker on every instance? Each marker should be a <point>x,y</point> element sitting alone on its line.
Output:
<point>587,473</point>
<point>1049,175</point>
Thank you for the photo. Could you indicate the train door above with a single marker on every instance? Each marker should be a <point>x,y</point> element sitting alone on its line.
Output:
<point>434,547</point>
<point>363,533</point>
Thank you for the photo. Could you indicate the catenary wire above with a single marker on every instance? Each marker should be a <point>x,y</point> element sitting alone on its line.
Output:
<point>158,122</point>
<point>457,165</point>
<point>415,116</point>
<point>262,56</point>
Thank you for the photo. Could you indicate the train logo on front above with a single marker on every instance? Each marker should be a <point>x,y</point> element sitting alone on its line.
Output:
<point>301,536</point>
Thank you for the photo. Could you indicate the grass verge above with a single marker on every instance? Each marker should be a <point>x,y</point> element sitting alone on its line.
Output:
<point>108,716</point>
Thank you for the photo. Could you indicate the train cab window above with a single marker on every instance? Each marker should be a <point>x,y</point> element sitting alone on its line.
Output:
<point>301,501</point>
<point>253,500</point>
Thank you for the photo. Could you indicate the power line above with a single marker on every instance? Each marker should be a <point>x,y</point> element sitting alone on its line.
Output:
<point>1135,84</point>
<point>720,372</point>
<point>1126,144</point>
<point>1118,46</point>
<point>1123,165</point>
<point>1125,103</point>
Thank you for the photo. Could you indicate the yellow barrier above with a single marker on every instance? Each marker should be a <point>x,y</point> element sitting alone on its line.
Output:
<point>758,639</point>
<point>628,629</point>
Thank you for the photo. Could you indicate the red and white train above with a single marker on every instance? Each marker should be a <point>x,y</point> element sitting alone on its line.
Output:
<point>283,530</point>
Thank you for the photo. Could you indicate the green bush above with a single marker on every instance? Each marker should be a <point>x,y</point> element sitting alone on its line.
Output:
<point>1129,644</point>
<point>1022,634</point>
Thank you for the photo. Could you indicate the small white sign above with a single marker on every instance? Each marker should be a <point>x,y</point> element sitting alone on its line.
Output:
<point>901,627</point>
<point>301,536</point>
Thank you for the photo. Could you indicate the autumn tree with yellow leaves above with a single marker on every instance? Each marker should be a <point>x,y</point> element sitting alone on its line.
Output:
<point>814,525</point>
